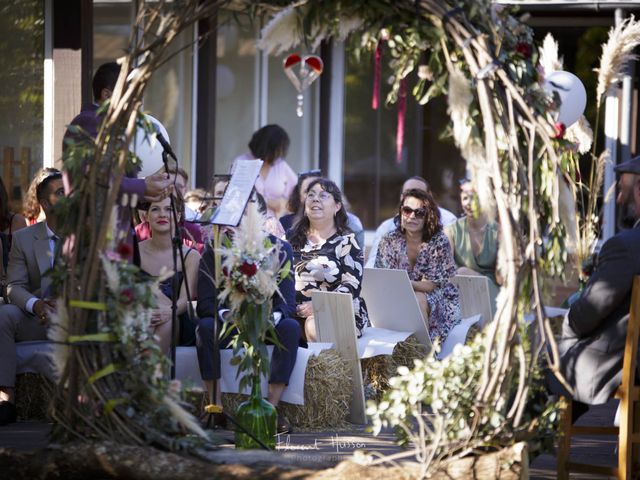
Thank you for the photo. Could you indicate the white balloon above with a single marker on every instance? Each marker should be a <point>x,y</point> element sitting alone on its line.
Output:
<point>148,149</point>
<point>572,95</point>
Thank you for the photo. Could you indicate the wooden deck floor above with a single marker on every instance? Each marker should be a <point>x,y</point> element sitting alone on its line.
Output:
<point>334,447</point>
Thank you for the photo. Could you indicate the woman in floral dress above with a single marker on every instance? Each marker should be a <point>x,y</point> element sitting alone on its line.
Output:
<point>419,246</point>
<point>326,255</point>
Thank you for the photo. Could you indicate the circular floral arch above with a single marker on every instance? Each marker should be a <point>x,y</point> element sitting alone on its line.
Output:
<point>522,167</point>
<point>503,125</point>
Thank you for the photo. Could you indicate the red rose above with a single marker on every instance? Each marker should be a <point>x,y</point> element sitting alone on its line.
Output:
<point>124,250</point>
<point>524,50</point>
<point>248,269</point>
<point>126,296</point>
<point>560,129</point>
<point>225,271</point>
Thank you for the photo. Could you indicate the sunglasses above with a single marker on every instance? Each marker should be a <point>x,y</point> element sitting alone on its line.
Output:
<point>418,212</point>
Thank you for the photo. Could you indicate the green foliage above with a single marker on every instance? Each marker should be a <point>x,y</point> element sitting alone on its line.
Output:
<point>436,404</point>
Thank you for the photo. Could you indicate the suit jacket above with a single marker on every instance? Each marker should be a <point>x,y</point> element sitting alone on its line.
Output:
<point>595,329</point>
<point>29,260</point>
<point>208,292</point>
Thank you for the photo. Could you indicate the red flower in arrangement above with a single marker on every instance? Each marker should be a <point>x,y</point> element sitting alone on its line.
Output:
<point>126,296</point>
<point>560,129</point>
<point>524,50</point>
<point>124,250</point>
<point>225,271</point>
<point>248,269</point>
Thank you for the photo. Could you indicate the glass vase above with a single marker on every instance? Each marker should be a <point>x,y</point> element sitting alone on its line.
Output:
<point>257,416</point>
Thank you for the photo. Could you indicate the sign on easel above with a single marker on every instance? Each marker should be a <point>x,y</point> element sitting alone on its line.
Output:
<point>238,193</point>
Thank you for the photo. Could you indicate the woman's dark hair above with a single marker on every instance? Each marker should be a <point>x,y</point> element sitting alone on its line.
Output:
<point>106,76</point>
<point>5,214</point>
<point>269,143</point>
<point>293,204</point>
<point>300,228</point>
<point>432,222</point>
<point>48,175</point>
<point>262,204</point>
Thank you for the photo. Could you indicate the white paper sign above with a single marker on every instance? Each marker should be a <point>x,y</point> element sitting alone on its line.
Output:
<point>238,192</point>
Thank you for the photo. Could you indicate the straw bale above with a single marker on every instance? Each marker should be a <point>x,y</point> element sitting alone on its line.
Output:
<point>377,371</point>
<point>33,392</point>
<point>327,391</point>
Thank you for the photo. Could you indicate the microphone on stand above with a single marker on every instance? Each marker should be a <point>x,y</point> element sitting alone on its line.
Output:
<point>165,145</point>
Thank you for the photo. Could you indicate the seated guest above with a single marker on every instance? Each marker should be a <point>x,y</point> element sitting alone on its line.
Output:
<point>156,253</point>
<point>197,201</point>
<point>296,201</point>
<point>27,316</point>
<point>191,232</point>
<point>474,242</point>
<point>419,246</point>
<point>594,331</point>
<point>287,329</point>
<point>446,217</point>
<point>326,254</point>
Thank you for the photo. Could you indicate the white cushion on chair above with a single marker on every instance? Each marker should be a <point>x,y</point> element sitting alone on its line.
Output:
<point>379,341</point>
<point>187,369</point>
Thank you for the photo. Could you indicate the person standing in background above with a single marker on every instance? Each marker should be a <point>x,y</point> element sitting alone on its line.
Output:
<point>277,179</point>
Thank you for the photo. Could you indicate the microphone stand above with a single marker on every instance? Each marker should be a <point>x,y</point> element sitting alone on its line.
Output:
<point>176,246</point>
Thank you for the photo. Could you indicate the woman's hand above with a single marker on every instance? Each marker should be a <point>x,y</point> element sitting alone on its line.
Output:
<point>423,285</point>
<point>158,317</point>
<point>304,309</point>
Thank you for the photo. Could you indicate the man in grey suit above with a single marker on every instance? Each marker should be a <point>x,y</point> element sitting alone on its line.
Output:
<point>27,314</point>
<point>594,331</point>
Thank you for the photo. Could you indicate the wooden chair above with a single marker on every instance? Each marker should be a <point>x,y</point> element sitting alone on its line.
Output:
<point>629,395</point>
<point>474,296</point>
<point>333,316</point>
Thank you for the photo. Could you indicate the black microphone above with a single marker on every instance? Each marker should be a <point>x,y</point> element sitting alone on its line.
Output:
<point>165,145</point>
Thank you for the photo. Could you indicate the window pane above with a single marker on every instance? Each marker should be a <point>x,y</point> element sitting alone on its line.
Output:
<point>169,98</point>
<point>236,106</point>
<point>372,177</point>
<point>21,101</point>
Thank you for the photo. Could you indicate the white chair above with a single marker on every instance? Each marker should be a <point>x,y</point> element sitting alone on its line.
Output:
<point>475,307</point>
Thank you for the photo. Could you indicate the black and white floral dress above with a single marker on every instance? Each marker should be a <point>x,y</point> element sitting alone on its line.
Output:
<point>334,266</point>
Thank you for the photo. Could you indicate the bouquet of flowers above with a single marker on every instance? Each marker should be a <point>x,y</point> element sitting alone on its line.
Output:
<point>252,268</point>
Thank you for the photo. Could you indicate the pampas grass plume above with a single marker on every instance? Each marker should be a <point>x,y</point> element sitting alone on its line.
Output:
<point>618,50</point>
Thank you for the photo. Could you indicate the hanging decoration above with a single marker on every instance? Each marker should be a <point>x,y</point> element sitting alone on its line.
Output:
<point>402,110</point>
<point>377,67</point>
<point>302,71</point>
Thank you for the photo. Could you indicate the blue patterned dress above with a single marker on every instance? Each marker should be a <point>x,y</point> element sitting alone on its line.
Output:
<point>435,263</point>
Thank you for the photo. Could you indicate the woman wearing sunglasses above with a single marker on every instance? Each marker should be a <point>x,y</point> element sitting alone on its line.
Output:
<point>326,255</point>
<point>419,246</point>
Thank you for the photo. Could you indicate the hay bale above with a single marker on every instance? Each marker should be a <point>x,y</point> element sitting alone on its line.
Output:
<point>377,371</point>
<point>33,392</point>
<point>327,392</point>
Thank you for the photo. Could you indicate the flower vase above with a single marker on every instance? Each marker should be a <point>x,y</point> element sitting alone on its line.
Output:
<point>257,416</point>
